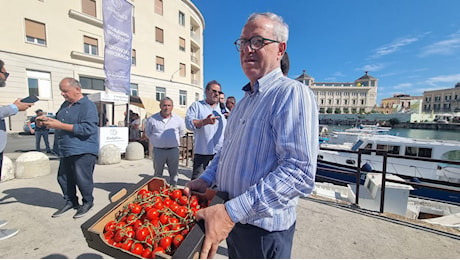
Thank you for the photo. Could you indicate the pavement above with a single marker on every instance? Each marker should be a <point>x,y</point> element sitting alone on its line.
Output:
<point>324,229</point>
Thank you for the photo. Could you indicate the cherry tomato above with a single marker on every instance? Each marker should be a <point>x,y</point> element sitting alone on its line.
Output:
<point>137,249</point>
<point>183,200</point>
<point>110,226</point>
<point>167,202</point>
<point>164,219</point>
<point>158,205</point>
<point>182,211</point>
<point>176,194</point>
<point>193,203</point>
<point>137,224</point>
<point>152,214</point>
<point>158,249</point>
<point>178,240</point>
<point>127,244</point>
<point>147,253</point>
<point>142,234</point>
<point>165,242</point>
<point>136,209</point>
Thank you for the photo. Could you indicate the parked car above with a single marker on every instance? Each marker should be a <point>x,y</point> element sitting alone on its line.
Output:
<point>26,126</point>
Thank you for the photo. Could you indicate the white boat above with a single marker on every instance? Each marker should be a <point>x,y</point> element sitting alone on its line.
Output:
<point>413,166</point>
<point>352,134</point>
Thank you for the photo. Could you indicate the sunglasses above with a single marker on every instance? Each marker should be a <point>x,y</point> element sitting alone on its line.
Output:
<point>217,92</point>
<point>6,74</point>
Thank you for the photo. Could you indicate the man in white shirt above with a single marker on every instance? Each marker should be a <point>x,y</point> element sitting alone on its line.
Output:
<point>164,130</point>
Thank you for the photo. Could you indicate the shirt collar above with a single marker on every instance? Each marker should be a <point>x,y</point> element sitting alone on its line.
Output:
<point>260,83</point>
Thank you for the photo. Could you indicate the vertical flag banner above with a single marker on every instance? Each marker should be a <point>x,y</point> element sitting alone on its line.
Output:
<point>117,18</point>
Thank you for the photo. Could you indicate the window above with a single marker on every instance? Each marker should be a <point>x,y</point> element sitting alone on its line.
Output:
<point>133,57</point>
<point>39,84</point>
<point>181,44</point>
<point>181,18</point>
<point>337,101</point>
<point>182,97</point>
<point>159,35</point>
<point>88,7</point>
<point>90,45</point>
<point>160,93</point>
<point>35,32</point>
<point>182,69</point>
<point>134,89</point>
<point>160,64</point>
<point>197,96</point>
<point>159,7</point>
<point>92,83</point>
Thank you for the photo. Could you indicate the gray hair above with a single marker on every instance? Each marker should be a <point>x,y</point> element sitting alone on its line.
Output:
<point>166,98</point>
<point>72,82</point>
<point>280,28</point>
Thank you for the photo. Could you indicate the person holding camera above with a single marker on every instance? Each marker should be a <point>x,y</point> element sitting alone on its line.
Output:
<point>40,131</point>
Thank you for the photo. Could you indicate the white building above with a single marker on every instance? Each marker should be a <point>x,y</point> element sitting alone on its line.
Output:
<point>44,41</point>
<point>344,97</point>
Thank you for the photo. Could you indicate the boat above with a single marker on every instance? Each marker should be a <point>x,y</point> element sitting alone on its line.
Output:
<point>435,163</point>
<point>352,134</point>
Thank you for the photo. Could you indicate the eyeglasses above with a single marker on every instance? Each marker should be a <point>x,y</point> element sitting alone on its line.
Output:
<point>217,92</point>
<point>6,74</point>
<point>255,42</point>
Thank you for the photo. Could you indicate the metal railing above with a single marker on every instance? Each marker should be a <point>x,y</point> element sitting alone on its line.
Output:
<point>454,189</point>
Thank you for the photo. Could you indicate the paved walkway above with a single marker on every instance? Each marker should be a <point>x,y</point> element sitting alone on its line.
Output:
<point>324,229</point>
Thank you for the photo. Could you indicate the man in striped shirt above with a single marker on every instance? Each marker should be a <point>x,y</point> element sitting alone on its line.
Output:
<point>268,158</point>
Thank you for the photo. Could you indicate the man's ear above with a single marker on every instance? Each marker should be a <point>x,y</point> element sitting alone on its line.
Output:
<point>282,49</point>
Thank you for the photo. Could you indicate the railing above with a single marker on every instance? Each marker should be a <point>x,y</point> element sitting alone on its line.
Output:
<point>385,155</point>
<point>186,148</point>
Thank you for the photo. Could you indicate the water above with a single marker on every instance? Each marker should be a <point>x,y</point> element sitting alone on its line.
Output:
<point>413,133</point>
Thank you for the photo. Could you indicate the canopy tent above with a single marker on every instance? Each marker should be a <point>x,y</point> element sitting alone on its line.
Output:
<point>152,106</point>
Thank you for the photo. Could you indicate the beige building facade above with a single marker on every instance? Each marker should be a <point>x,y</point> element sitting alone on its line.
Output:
<point>355,97</point>
<point>44,41</point>
<point>442,100</point>
<point>399,103</point>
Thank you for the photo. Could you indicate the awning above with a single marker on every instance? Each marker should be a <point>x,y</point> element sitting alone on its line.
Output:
<point>152,106</point>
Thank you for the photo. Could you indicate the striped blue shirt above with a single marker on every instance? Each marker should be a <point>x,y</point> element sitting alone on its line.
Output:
<point>209,138</point>
<point>268,159</point>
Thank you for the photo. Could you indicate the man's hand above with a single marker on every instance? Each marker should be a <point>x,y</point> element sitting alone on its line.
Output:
<point>217,225</point>
<point>22,106</point>
<point>198,185</point>
<point>49,122</point>
<point>210,119</point>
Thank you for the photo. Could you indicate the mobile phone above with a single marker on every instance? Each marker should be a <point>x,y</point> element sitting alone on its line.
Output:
<point>30,99</point>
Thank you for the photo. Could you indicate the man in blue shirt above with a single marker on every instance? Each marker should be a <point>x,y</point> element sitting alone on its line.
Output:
<point>76,130</point>
<point>207,122</point>
<point>268,158</point>
<point>39,130</point>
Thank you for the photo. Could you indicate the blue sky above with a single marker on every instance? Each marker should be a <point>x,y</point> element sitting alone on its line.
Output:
<point>410,45</point>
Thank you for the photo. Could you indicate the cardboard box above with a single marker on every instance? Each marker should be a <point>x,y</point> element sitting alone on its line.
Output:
<point>93,228</point>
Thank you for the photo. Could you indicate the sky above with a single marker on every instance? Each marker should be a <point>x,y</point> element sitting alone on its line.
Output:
<point>410,46</point>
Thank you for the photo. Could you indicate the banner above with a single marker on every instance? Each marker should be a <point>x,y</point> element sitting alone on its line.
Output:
<point>117,18</point>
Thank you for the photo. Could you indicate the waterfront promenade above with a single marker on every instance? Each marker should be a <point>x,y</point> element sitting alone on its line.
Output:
<point>324,229</point>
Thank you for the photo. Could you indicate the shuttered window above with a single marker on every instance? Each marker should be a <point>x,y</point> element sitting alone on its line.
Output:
<point>35,32</point>
<point>88,7</point>
<point>160,63</point>
<point>133,57</point>
<point>90,45</point>
<point>182,69</point>
<point>159,35</point>
<point>159,7</point>
<point>181,44</point>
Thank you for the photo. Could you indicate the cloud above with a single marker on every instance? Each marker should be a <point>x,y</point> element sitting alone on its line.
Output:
<point>403,86</point>
<point>395,46</point>
<point>443,47</point>
<point>371,67</point>
<point>442,79</point>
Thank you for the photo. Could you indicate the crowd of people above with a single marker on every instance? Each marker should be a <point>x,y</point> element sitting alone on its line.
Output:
<point>262,150</point>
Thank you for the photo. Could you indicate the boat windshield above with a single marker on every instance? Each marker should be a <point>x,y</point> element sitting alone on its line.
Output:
<point>356,146</point>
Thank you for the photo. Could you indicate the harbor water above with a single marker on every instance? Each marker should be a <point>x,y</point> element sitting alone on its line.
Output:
<point>412,133</point>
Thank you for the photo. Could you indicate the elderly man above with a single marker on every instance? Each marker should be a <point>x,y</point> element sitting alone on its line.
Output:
<point>207,122</point>
<point>76,130</point>
<point>268,159</point>
<point>164,130</point>
<point>6,111</point>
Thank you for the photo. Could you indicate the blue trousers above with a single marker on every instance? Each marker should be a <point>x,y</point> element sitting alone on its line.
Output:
<point>251,242</point>
<point>77,170</point>
<point>38,136</point>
